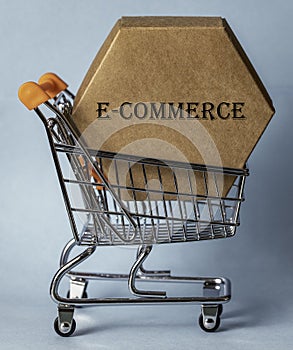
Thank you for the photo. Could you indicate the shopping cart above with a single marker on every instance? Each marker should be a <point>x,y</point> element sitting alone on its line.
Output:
<point>99,215</point>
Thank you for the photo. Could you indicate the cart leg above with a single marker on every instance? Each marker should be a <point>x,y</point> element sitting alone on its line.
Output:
<point>66,252</point>
<point>144,251</point>
<point>65,269</point>
<point>142,271</point>
<point>65,324</point>
<point>77,285</point>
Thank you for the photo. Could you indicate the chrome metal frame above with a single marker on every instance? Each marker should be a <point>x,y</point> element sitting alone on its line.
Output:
<point>109,220</point>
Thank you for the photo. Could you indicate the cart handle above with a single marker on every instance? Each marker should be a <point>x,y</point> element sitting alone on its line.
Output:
<point>52,84</point>
<point>33,95</point>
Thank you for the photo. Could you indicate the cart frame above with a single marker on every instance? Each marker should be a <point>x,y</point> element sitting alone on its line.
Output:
<point>132,226</point>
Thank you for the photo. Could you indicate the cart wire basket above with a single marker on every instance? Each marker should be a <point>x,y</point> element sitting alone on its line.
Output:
<point>106,210</point>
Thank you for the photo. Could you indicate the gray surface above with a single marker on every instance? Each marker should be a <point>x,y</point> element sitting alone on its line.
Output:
<point>63,37</point>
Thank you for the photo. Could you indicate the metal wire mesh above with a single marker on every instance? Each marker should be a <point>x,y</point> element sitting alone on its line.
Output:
<point>168,201</point>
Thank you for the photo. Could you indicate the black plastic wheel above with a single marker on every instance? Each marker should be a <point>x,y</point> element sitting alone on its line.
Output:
<point>67,333</point>
<point>220,309</point>
<point>84,295</point>
<point>204,328</point>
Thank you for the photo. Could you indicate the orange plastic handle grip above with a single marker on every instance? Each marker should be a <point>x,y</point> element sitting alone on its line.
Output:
<point>32,94</point>
<point>52,84</point>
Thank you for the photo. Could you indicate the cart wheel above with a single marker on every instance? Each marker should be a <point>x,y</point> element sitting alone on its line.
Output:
<point>220,309</point>
<point>84,295</point>
<point>208,324</point>
<point>65,329</point>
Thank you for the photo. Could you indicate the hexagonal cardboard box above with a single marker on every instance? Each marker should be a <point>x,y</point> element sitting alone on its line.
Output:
<point>173,88</point>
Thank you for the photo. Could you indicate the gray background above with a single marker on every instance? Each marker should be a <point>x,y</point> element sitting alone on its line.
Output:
<point>63,36</point>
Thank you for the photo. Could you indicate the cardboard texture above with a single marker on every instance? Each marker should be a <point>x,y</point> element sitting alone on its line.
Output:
<point>174,88</point>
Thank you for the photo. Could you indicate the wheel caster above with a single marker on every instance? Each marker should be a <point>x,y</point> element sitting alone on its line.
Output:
<point>208,324</point>
<point>209,319</point>
<point>220,309</point>
<point>65,329</point>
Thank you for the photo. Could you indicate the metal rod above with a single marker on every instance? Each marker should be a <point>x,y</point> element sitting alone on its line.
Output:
<point>60,175</point>
<point>160,162</point>
<point>79,141</point>
<point>143,254</point>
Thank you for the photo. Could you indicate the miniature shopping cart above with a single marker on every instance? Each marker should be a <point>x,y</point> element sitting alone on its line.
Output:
<point>99,215</point>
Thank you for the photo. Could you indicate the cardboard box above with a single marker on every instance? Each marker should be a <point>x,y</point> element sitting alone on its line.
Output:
<point>174,88</point>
